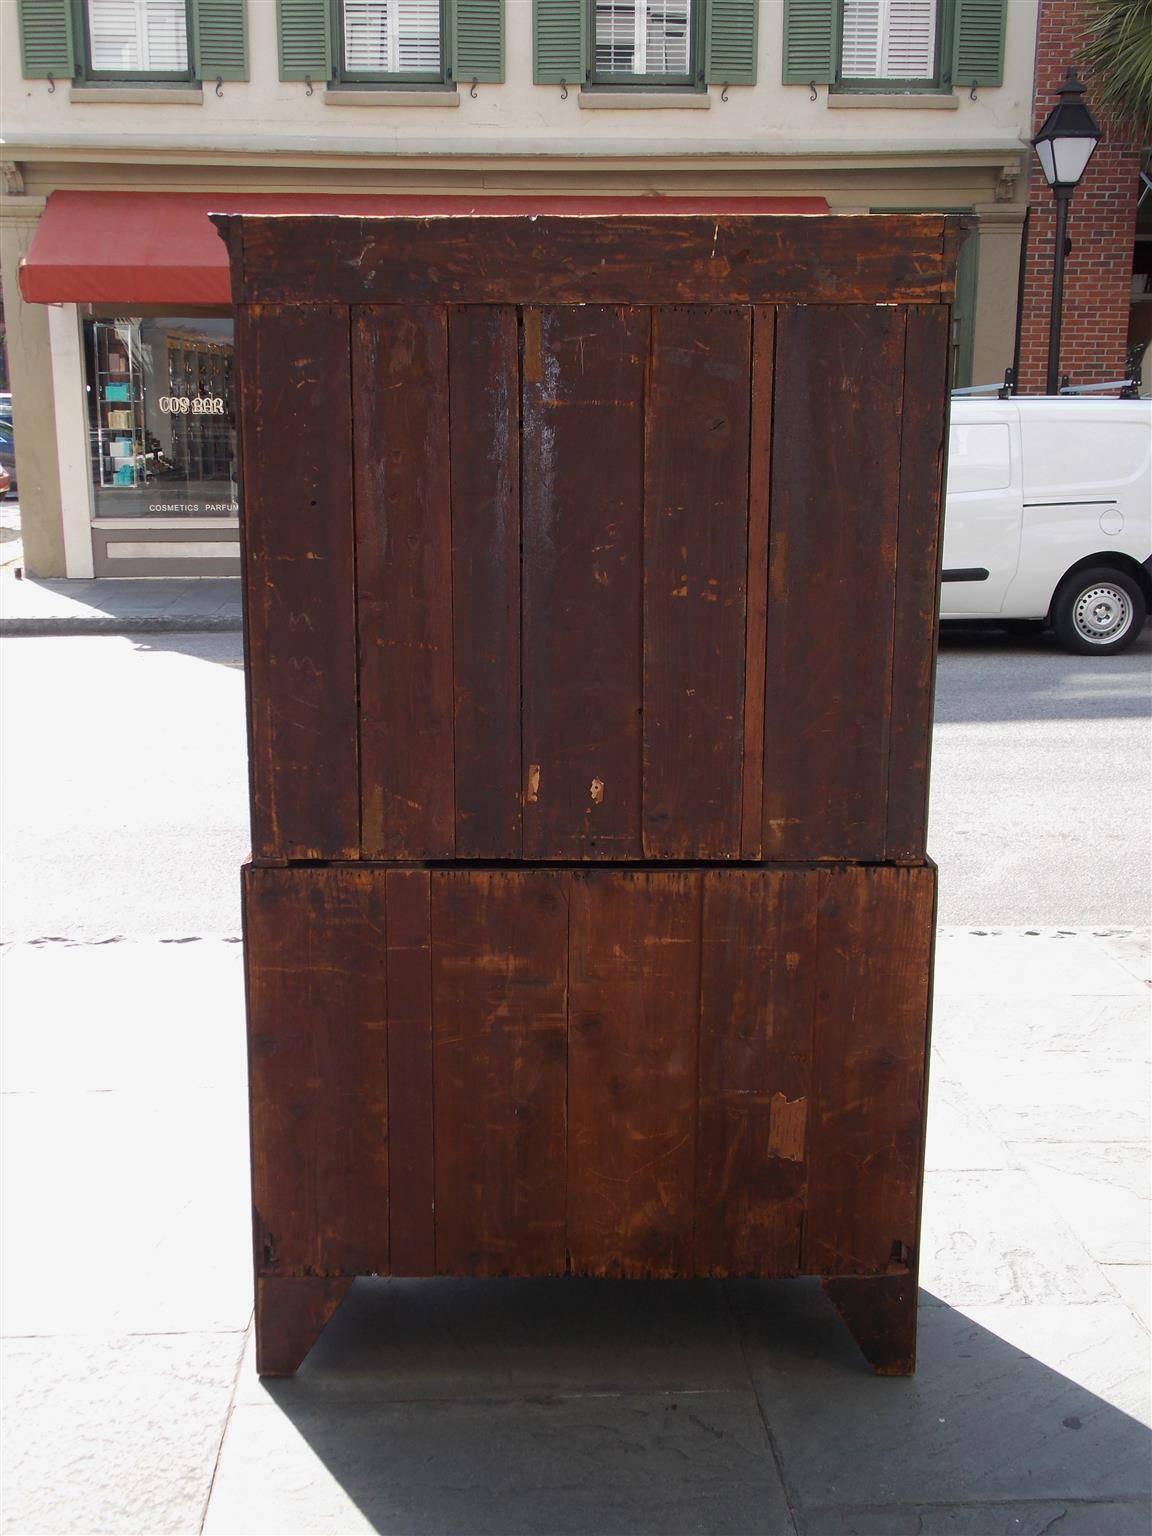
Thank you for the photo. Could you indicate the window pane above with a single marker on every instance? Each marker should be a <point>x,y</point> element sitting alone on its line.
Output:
<point>392,36</point>
<point>643,37</point>
<point>889,40</point>
<point>138,36</point>
<point>160,410</point>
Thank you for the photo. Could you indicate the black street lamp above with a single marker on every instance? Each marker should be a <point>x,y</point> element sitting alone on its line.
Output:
<point>1064,147</point>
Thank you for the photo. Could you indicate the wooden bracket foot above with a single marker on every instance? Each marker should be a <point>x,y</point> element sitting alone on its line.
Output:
<point>290,1316</point>
<point>879,1312</point>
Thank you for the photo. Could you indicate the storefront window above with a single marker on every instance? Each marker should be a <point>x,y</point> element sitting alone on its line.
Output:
<point>163,433</point>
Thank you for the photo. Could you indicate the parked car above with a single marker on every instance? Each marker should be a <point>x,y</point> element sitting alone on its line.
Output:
<point>7,456</point>
<point>1048,520</point>
<point>5,481</point>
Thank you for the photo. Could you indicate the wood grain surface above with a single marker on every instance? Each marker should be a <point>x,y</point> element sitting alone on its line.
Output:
<point>404,581</point>
<point>695,542</point>
<point>618,259</point>
<point>299,581</point>
<point>583,489</point>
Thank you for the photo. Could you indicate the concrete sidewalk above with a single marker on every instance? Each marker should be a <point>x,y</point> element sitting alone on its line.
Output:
<point>117,606</point>
<point>456,1408</point>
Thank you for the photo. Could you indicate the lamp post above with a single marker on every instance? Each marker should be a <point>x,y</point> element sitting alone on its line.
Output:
<point>1064,147</point>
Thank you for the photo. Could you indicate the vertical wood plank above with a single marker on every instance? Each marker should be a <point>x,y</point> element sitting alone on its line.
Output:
<point>634,1011</point>
<point>318,1070</point>
<point>583,447</point>
<point>922,460</point>
<point>832,581</point>
<point>410,1094</point>
<point>500,964</point>
<point>866,1131</point>
<point>299,580</point>
<point>757,991</point>
<point>759,509</point>
<point>404,580</point>
<point>484,386</point>
<point>695,572</point>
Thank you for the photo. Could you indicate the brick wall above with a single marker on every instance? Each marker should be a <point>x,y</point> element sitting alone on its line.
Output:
<point>1101,226</point>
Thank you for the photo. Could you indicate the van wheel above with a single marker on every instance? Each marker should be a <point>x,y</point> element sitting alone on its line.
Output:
<point>1098,612</point>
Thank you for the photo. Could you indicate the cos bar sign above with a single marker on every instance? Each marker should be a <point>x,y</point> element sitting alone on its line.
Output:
<point>181,405</point>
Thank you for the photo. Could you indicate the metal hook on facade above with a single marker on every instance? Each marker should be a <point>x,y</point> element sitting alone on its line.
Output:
<point>724,92</point>
<point>972,92</point>
<point>563,90</point>
<point>219,85</point>
<point>812,88</point>
<point>308,83</point>
<point>51,86</point>
<point>475,83</point>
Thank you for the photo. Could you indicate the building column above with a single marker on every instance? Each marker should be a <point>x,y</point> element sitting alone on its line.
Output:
<point>1001,230</point>
<point>71,437</point>
<point>33,406</point>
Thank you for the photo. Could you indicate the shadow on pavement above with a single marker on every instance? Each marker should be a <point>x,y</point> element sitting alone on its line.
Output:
<point>598,1407</point>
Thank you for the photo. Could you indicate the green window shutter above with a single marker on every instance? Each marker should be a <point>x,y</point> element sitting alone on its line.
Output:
<point>478,40</point>
<point>811,41</point>
<point>46,39</point>
<point>305,31</point>
<point>558,41</point>
<point>220,40</point>
<point>978,42</point>
<point>730,54</point>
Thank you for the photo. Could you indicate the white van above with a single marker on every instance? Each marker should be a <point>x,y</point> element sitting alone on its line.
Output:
<point>1048,519</point>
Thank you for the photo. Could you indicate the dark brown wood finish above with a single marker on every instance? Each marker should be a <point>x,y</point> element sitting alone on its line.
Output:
<point>618,259</point>
<point>404,581</point>
<point>695,570</point>
<point>758,993</point>
<point>922,461</point>
<point>318,1070</point>
<point>755,639</point>
<point>291,1314</point>
<point>583,477</point>
<point>411,1151</point>
<point>832,581</point>
<point>484,381</point>
<point>874,962</point>
<point>299,581</point>
<point>500,969</point>
<point>879,1312</point>
<point>635,989</point>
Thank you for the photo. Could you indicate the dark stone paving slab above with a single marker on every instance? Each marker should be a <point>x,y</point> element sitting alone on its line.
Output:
<point>990,1415</point>
<point>592,1465</point>
<point>1056,1518</point>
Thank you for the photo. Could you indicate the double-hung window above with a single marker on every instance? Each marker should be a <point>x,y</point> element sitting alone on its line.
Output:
<point>392,39</point>
<point>889,40</point>
<point>643,41</point>
<point>120,41</point>
<point>894,45</point>
<point>130,39</point>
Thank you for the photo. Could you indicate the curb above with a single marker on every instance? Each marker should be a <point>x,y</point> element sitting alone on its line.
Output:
<point>106,624</point>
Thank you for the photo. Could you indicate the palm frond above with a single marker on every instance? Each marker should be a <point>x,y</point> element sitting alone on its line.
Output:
<point>1117,57</point>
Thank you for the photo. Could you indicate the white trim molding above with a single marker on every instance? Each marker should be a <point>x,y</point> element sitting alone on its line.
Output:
<point>64,335</point>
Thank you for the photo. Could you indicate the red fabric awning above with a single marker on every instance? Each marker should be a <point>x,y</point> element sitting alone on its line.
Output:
<point>160,248</point>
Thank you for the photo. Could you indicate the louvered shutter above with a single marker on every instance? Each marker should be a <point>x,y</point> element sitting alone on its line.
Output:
<point>138,37</point>
<point>888,40</point>
<point>220,40</point>
<point>978,42</point>
<point>558,41</point>
<point>478,40</point>
<point>730,53</point>
<point>811,38</point>
<point>305,34</point>
<point>46,39</point>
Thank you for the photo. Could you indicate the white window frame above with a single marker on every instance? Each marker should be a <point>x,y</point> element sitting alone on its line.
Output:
<point>99,17</point>
<point>642,17</point>
<point>389,17</point>
<point>891,23</point>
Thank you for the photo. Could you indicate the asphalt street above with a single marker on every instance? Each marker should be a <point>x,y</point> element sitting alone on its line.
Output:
<point>124,810</point>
